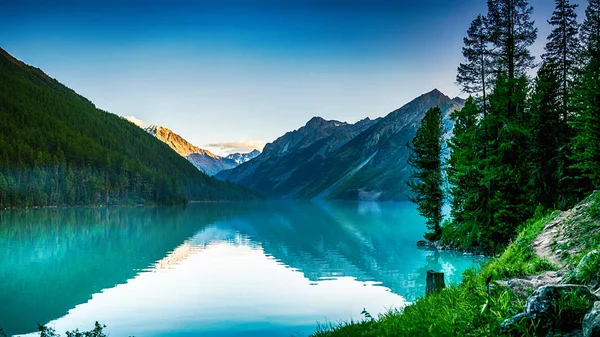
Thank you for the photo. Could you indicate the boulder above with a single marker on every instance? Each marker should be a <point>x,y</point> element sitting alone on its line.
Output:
<point>591,322</point>
<point>423,243</point>
<point>550,305</point>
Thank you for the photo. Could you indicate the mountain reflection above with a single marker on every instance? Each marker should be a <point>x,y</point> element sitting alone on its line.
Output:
<point>54,259</point>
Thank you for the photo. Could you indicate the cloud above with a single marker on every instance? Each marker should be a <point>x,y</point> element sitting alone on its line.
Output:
<point>242,146</point>
<point>134,120</point>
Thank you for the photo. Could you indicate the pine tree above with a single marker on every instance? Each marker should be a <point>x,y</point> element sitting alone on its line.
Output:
<point>585,146</point>
<point>511,32</point>
<point>426,160</point>
<point>507,167</point>
<point>467,196</point>
<point>546,110</point>
<point>474,75</point>
<point>590,30</point>
<point>554,180</point>
<point>562,49</point>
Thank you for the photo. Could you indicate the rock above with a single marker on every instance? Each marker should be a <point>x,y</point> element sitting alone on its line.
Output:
<point>521,287</point>
<point>423,243</point>
<point>545,306</point>
<point>508,324</point>
<point>542,300</point>
<point>591,322</point>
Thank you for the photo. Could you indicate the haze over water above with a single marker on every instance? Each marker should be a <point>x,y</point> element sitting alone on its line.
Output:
<point>214,269</point>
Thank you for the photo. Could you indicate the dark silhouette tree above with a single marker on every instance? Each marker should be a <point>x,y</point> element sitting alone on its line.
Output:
<point>426,160</point>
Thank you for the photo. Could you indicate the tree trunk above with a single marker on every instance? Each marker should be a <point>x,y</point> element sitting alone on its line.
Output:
<point>435,282</point>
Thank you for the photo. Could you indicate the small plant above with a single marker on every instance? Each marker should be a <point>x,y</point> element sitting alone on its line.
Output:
<point>569,309</point>
<point>367,315</point>
<point>590,270</point>
<point>97,331</point>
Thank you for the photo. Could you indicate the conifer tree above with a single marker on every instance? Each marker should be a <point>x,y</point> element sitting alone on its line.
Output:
<point>426,160</point>
<point>474,76</point>
<point>547,140</point>
<point>511,32</point>
<point>467,195</point>
<point>585,146</point>
<point>554,180</point>
<point>505,172</point>
<point>562,49</point>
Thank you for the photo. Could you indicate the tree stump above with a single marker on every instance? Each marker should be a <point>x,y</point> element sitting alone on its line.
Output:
<point>435,282</point>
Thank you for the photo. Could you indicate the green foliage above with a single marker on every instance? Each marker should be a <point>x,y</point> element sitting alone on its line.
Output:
<point>97,331</point>
<point>57,148</point>
<point>427,181</point>
<point>519,258</point>
<point>586,123</point>
<point>589,271</point>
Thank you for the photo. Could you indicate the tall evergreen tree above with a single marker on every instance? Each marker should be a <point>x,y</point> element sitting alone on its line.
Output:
<point>585,146</point>
<point>562,49</point>
<point>506,171</point>
<point>554,179</point>
<point>468,196</point>
<point>426,159</point>
<point>590,30</point>
<point>511,32</point>
<point>507,167</point>
<point>474,76</point>
<point>547,141</point>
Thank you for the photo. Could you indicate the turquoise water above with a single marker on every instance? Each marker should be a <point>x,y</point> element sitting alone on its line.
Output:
<point>212,269</point>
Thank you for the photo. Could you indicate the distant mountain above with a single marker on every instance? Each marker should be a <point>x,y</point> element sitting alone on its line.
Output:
<point>57,148</point>
<point>337,160</point>
<point>204,160</point>
<point>241,158</point>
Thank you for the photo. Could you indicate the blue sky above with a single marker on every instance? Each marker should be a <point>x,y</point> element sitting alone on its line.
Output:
<point>238,73</point>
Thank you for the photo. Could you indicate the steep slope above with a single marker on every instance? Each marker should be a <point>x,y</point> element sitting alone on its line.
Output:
<point>330,159</point>
<point>57,148</point>
<point>204,160</point>
<point>240,158</point>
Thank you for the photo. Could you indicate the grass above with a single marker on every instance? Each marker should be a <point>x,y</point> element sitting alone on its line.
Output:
<point>470,309</point>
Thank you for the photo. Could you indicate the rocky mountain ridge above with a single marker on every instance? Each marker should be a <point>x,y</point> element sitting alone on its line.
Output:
<point>202,159</point>
<point>337,160</point>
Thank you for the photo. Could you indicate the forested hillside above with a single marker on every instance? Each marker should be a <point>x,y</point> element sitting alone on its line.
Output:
<point>57,148</point>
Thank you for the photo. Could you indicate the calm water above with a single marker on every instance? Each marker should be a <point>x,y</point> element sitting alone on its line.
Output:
<point>262,269</point>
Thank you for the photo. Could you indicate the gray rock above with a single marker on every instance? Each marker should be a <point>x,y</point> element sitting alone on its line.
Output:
<point>542,301</point>
<point>542,307</point>
<point>591,322</point>
<point>521,287</point>
<point>509,323</point>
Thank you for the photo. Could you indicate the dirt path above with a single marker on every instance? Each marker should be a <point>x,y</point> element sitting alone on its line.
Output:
<point>552,232</point>
<point>559,231</point>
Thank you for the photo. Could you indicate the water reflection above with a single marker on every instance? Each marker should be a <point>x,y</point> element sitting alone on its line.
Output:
<point>264,268</point>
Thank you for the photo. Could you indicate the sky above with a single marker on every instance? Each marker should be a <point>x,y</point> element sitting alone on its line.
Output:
<point>230,75</point>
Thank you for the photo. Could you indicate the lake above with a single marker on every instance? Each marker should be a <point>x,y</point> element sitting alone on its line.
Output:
<point>212,269</point>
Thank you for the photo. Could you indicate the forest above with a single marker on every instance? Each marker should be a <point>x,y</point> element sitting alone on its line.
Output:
<point>520,143</point>
<point>57,148</point>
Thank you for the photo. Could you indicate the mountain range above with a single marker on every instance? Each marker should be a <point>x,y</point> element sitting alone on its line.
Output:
<point>204,160</point>
<point>336,160</point>
<point>58,148</point>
